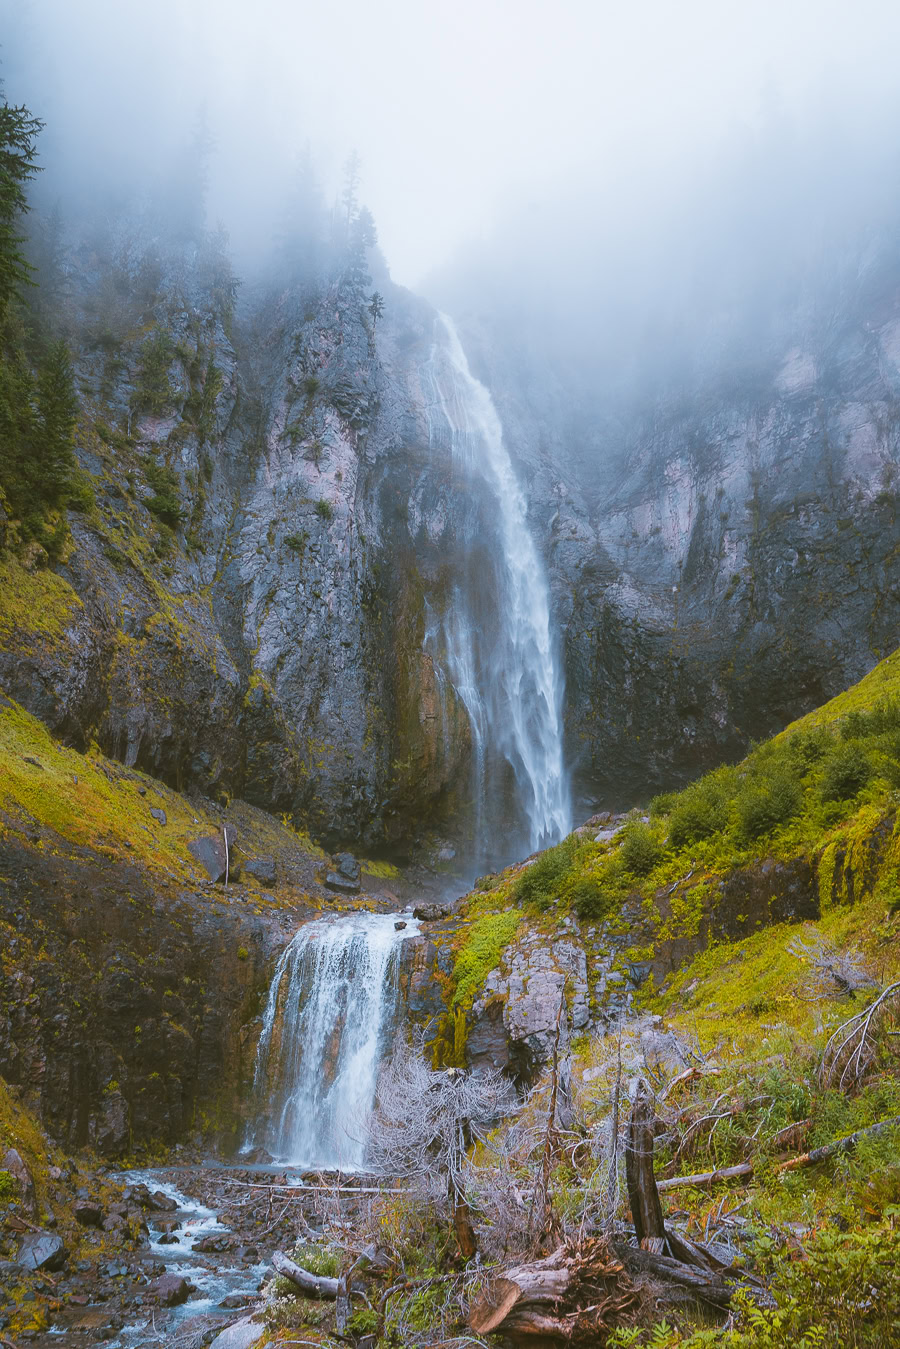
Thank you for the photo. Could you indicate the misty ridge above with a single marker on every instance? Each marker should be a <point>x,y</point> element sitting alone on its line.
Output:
<point>652,267</point>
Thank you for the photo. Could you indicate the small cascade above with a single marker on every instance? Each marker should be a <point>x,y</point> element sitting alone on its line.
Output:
<point>494,639</point>
<point>331,1008</point>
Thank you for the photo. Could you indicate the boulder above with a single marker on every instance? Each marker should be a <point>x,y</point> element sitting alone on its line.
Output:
<point>209,851</point>
<point>430,912</point>
<point>262,868</point>
<point>158,814</point>
<point>399,926</point>
<point>13,1163</point>
<point>88,1213</point>
<point>171,1290</point>
<point>342,884</point>
<point>347,866</point>
<point>41,1250</point>
<point>163,1203</point>
<point>241,1335</point>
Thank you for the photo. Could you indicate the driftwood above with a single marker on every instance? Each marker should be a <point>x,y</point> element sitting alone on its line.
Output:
<point>580,1291</point>
<point>704,1179</point>
<point>316,1284</point>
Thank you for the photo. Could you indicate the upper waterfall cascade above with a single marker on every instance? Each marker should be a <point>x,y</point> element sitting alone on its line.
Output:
<point>331,1008</point>
<point>504,665</point>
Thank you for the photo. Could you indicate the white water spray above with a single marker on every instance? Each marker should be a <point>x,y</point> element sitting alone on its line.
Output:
<point>508,677</point>
<point>331,1007</point>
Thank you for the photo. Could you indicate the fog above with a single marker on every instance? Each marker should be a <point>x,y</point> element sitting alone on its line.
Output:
<point>471,119</point>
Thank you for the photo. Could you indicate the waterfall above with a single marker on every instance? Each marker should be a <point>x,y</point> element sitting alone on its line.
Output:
<point>331,1007</point>
<point>499,656</point>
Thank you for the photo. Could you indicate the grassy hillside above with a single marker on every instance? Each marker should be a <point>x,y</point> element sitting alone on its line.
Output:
<point>743,1005</point>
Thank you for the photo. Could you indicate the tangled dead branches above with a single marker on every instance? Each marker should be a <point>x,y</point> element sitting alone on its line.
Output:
<point>851,1049</point>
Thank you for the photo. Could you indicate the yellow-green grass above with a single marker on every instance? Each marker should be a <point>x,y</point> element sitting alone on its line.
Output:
<point>89,800</point>
<point>36,606</point>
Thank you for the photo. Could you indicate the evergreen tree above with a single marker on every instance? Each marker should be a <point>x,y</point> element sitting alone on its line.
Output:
<point>57,413</point>
<point>376,307</point>
<point>18,133</point>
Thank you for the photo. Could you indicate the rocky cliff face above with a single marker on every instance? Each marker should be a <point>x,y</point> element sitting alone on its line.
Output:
<point>244,611</point>
<point>725,558</point>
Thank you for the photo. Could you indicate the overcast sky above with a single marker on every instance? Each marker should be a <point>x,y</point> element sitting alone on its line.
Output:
<point>458,108</point>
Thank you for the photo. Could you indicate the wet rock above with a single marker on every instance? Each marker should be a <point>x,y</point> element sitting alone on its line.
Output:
<point>399,926</point>
<point>234,1300</point>
<point>41,1250</point>
<point>88,1213</point>
<point>262,868</point>
<point>168,1239</point>
<point>158,814</point>
<point>432,911</point>
<point>171,1290</point>
<point>163,1203</point>
<point>341,884</point>
<point>13,1163</point>
<point>215,1243</point>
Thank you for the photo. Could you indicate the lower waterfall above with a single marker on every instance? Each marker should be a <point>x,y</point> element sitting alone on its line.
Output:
<point>331,1009</point>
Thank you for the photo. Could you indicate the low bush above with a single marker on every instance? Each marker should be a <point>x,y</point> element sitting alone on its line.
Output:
<point>641,850</point>
<point>164,503</point>
<point>847,770</point>
<point>699,812</point>
<point>763,806</point>
<point>541,883</point>
<point>324,509</point>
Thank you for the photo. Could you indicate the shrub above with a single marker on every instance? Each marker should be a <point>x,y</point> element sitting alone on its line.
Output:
<point>641,850</point>
<point>699,812</point>
<point>592,896</point>
<point>806,747</point>
<point>297,542</point>
<point>847,770</point>
<point>763,806</point>
<point>541,883</point>
<point>310,386</point>
<point>882,717</point>
<point>164,503</point>
<point>324,509</point>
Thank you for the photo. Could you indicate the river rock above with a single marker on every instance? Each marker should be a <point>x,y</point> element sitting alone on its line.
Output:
<point>13,1163</point>
<point>262,868</point>
<point>41,1250</point>
<point>163,1203</point>
<point>172,1289</point>
<point>241,1335</point>
<point>431,911</point>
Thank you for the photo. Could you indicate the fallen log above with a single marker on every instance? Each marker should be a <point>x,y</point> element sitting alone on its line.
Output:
<point>706,1178</point>
<point>316,1284</point>
<point>577,1292</point>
